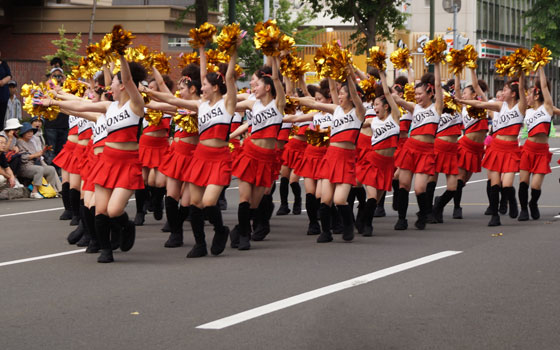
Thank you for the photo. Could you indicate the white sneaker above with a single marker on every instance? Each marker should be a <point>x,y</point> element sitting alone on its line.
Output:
<point>35,195</point>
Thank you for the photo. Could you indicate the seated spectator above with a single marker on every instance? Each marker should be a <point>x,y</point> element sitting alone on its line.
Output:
<point>14,104</point>
<point>38,138</point>
<point>32,164</point>
<point>10,132</point>
<point>5,169</point>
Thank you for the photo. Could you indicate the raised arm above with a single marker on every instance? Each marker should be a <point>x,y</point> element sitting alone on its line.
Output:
<point>408,106</point>
<point>203,62</point>
<point>438,88</point>
<point>395,113</point>
<point>280,93</point>
<point>522,104</point>
<point>358,104</point>
<point>303,86</point>
<point>555,110</point>
<point>548,104</point>
<point>333,90</point>
<point>107,76</point>
<point>160,82</point>
<point>136,99</point>
<point>231,95</point>
<point>476,87</point>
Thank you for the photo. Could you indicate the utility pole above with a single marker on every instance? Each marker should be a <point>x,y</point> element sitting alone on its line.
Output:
<point>90,36</point>
<point>231,11</point>
<point>432,26</point>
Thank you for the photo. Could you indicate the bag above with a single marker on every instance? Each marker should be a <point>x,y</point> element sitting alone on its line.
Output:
<point>46,190</point>
<point>14,160</point>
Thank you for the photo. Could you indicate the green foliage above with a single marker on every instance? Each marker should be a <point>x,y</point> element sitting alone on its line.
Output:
<point>544,24</point>
<point>375,19</point>
<point>67,50</point>
<point>249,12</point>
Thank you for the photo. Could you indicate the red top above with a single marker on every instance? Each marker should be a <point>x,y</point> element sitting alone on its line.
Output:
<point>122,123</point>
<point>345,126</point>
<point>163,124</point>
<point>450,125</point>
<point>425,121</point>
<point>214,121</point>
<point>267,121</point>
<point>508,121</point>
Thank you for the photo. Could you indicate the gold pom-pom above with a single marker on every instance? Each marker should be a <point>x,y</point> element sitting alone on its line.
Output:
<point>449,104</point>
<point>434,50</point>
<point>187,58</point>
<point>517,62</point>
<point>227,40</point>
<point>478,113</point>
<point>457,60</point>
<point>409,93</point>
<point>120,39</point>
<point>137,54</point>
<point>368,86</point>
<point>153,117</point>
<point>318,138</point>
<point>291,106</point>
<point>538,57</point>
<point>267,36</point>
<point>471,55</point>
<point>159,61</point>
<point>502,66</point>
<point>401,58</point>
<point>331,61</point>
<point>199,36</point>
<point>73,86</point>
<point>32,93</point>
<point>285,43</point>
<point>377,58</point>
<point>188,122</point>
<point>145,97</point>
<point>293,67</point>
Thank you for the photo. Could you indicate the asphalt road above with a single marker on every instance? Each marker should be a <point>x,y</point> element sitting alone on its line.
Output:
<point>492,292</point>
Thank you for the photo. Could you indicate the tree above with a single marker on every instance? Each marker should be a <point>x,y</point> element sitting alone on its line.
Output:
<point>289,20</point>
<point>544,24</point>
<point>375,19</point>
<point>67,50</point>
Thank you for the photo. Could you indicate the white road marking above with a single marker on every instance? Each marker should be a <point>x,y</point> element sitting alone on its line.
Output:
<point>333,288</point>
<point>13,262</point>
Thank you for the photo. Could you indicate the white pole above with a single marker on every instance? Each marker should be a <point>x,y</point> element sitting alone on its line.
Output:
<point>266,16</point>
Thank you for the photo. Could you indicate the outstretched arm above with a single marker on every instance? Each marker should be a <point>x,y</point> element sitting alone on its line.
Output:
<point>311,103</point>
<point>493,106</point>
<point>239,131</point>
<point>172,100</point>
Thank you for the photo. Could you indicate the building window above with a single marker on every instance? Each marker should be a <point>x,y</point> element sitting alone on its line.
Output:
<point>426,3</point>
<point>178,42</point>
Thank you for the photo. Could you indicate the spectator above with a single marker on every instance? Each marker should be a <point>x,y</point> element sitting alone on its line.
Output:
<point>56,62</point>
<point>14,104</point>
<point>38,139</point>
<point>10,133</point>
<point>33,166</point>
<point>56,131</point>
<point>5,169</point>
<point>5,77</point>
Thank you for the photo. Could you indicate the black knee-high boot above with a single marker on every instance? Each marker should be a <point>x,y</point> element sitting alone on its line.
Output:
<point>261,224</point>
<point>380,208</point>
<point>325,215</point>
<point>222,201</point>
<point>336,221</point>
<point>128,231</point>
<point>75,206</point>
<point>284,190</point>
<point>352,198</point>
<point>65,194</point>
<point>103,230</point>
<point>221,232</point>
<point>361,197</point>
<point>523,201</point>
<point>77,234</point>
<point>348,221</point>
<point>395,184</point>
<point>140,196</point>
<point>402,223</point>
<point>311,208</point>
<point>369,212</point>
<point>93,246</point>
<point>488,186</point>
<point>503,208</point>
<point>457,210</point>
<point>422,200</point>
<point>441,203</point>
<point>509,193</point>
<point>172,213</point>
<point>86,237</point>
<point>494,195</point>
<point>157,194</point>
<point>244,227</point>
<point>197,224</point>
<point>430,190</point>
<point>296,190</point>
<point>533,204</point>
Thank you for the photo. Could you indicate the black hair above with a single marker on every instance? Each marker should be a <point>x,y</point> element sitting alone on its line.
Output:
<point>537,90</point>
<point>192,73</point>
<point>56,60</point>
<point>137,71</point>
<point>380,95</point>
<point>265,74</point>
<point>481,83</point>
<point>101,80</point>
<point>219,78</point>
<point>358,90</point>
<point>513,85</point>
<point>166,79</point>
<point>374,72</point>
<point>399,84</point>
<point>312,89</point>
<point>427,81</point>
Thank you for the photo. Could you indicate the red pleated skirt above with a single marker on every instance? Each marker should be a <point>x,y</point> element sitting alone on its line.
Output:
<point>293,153</point>
<point>400,145</point>
<point>470,155</point>
<point>235,148</point>
<point>535,158</point>
<point>256,165</point>
<point>85,165</point>
<point>502,156</point>
<point>210,166</point>
<point>65,155</point>
<point>379,171</point>
<point>153,150</point>
<point>446,157</point>
<point>310,164</point>
<point>74,165</point>
<point>417,156</point>
<point>339,166</point>
<point>177,161</point>
<point>118,169</point>
<point>90,175</point>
